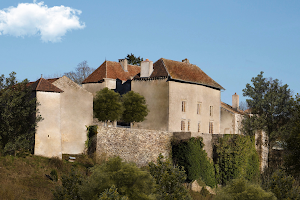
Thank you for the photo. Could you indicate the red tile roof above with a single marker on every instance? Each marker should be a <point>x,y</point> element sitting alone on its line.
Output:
<point>44,85</point>
<point>182,71</point>
<point>114,70</point>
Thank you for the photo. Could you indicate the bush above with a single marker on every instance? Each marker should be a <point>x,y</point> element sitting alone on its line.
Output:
<point>130,180</point>
<point>242,189</point>
<point>191,155</point>
<point>169,180</point>
<point>111,194</point>
<point>236,157</point>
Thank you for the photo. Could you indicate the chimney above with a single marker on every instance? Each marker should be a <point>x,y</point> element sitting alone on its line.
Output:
<point>146,68</point>
<point>123,63</point>
<point>235,101</point>
<point>186,61</point>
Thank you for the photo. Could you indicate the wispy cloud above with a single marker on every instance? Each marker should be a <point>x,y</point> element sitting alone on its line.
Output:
<point>37,19</point>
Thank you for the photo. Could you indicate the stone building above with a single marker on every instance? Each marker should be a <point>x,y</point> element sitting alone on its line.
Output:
<point>66,109</point>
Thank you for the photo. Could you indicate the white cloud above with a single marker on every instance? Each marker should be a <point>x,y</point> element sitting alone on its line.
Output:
<point>37,19</point>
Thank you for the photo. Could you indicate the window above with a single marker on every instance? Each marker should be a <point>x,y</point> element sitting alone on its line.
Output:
<point>189,125</point>
<point>198,127</point>
<point>198,108</point>
<point>182,125</point>
<point>183,106</point>
<point>211,110</point>
<point>211,127</point>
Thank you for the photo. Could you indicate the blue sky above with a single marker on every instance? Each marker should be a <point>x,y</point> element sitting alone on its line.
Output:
<point>232,41</point>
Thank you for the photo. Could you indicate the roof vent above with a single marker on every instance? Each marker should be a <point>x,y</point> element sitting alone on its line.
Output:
<point>186,61</point>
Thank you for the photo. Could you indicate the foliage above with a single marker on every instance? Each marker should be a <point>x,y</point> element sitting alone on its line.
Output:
<point>169,180</point>
<point>283,186</point>
<point>135,108</point>
<point>90,143</point>
<point>53,175</point>
<point>236,157</point>
<point>130,180</point>
<point>70,187</point>
<point>241,189</point>
<point>107,105</point>
<point>191,155</point>
<point>271,104</point>
<point>134,60</point>
<point>111,194</point>
<point>82,71</point>
<point>17,115</point>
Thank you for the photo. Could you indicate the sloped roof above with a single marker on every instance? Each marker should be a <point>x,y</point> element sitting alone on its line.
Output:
<point>114,70</point>
<point>44,85</point>
<point>183,72</point>
<point>231,109</point>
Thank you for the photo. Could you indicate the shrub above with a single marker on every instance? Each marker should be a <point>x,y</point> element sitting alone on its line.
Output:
<point>191,155</point>
<point>111,194</point>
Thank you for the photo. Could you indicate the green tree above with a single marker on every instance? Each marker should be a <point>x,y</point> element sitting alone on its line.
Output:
<point>107,105</point>
<point>169,180</point>
<point>111,194</point>
<point>271,104</point>
<point>135,108</point>
<point>134,60</point>
<point>130,180</point>
<point>17,115</point>
<point>242,189</point>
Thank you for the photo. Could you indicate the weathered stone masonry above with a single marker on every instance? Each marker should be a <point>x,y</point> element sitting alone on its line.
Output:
<point>140,146</point>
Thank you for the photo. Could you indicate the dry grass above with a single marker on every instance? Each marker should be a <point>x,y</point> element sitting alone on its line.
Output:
<point>25,178</point>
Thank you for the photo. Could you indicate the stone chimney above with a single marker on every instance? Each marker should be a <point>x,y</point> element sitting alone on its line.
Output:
<point>146,68</point>
<point>235,101</point>
<point>123,63</point>
<point>186,61</point>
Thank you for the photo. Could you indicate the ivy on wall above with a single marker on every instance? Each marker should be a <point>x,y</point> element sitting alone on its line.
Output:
<point>236,157</point>
<point>191,155</point>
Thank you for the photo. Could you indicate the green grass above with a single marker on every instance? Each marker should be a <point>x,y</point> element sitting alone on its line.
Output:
<point>25,177</point>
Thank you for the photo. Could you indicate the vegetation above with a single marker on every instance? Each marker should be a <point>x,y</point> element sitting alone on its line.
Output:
<point>191,155</point>
<point>130,180</point>
<point>112,194</point>
<point>169,180</point>
<point>242,189</point>
<point>107,105</point>
<point>17,115</point>
<point>131,59</point>
<point>236,157</point>
<point>135,108</point>
<point>82,71</point>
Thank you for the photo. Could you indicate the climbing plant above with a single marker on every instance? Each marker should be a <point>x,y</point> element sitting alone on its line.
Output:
<point>191,155</point>
<point>236,157</point>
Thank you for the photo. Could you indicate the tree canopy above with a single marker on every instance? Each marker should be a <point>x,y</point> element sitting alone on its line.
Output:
<point>270,102</point>
<point>107,105</point>
<point>135,108</point>
<point>134,60</point>
<point>82,71</point>
<point>17,115</point>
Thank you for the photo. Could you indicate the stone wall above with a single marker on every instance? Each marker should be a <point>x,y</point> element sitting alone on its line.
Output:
<point>140,146</point>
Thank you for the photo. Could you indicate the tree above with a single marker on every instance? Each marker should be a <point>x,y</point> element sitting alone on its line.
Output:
<point>111,194</point>
<point>134,60</point>
<point>130,180</point>
<point>17,115</point>
<point>82,71</point>
<point>107,105</point>
<point>271,104</point>
<point>169,180</point>
<point>135,108</point>
<point>241,189</point>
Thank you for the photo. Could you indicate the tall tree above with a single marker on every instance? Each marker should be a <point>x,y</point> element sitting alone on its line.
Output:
<point>107,105</point>
<point>135,108</point>
<point>134,60</point>
<point>17,115</point>
<point>271,104</point>
<point>81,72</point>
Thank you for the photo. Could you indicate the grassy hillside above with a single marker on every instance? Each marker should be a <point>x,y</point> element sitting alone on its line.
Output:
<point>25,177</point>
